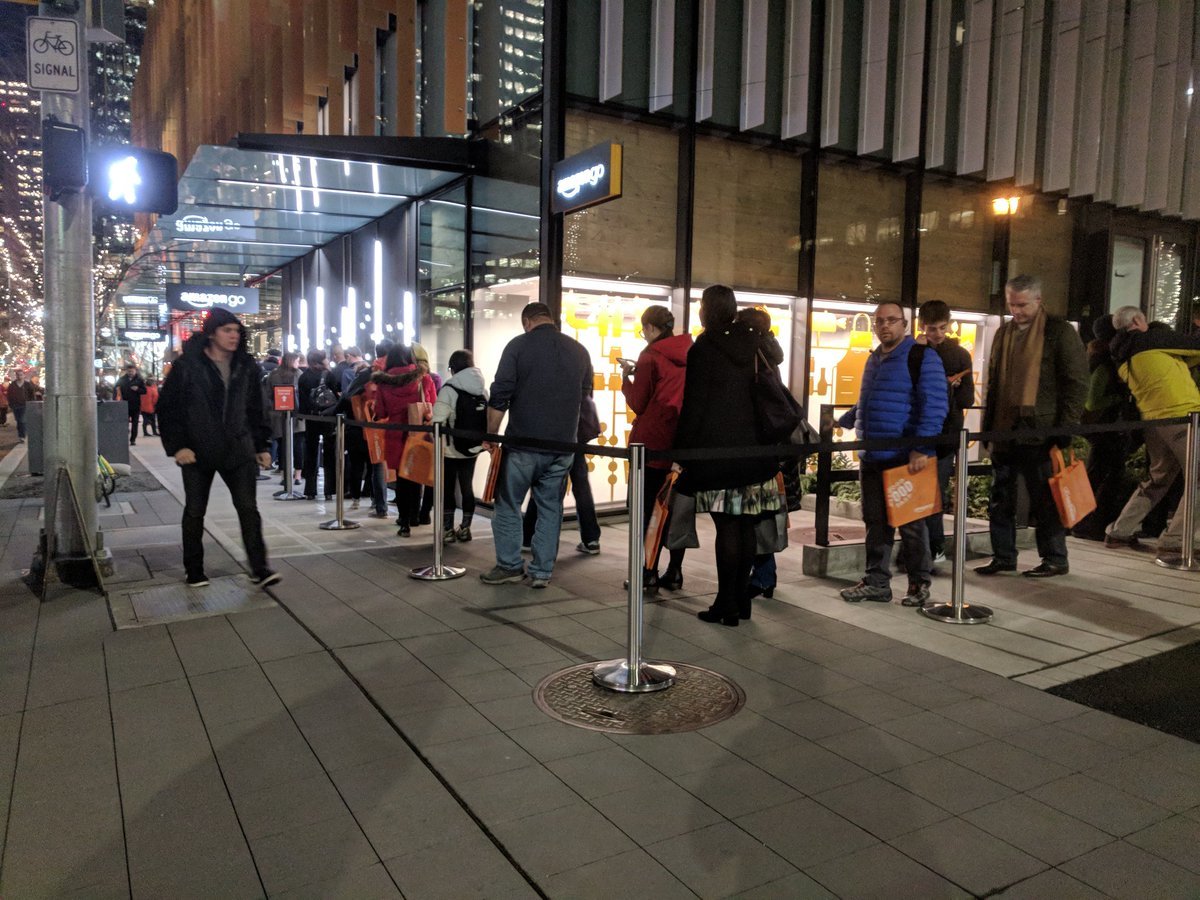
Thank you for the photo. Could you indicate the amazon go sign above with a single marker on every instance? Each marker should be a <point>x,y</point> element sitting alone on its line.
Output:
<point>201,298</point>
<point>588,178</point>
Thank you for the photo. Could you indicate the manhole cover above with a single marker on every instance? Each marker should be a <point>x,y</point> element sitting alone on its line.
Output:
<point>699,697</point>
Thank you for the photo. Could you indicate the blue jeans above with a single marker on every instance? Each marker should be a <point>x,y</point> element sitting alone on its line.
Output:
<point>914,537</point>
<point>19,414</point>
<point>379,487</point>
<point>543,473</point>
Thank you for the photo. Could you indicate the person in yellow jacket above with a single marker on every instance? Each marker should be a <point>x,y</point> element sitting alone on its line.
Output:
<point>1156,362</point>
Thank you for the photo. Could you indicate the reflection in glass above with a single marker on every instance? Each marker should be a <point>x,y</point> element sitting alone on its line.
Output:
<point>1167,299</point>
<point>1125,278</point>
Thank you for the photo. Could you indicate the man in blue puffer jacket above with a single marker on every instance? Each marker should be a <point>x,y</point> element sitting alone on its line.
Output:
<point>898,398</point>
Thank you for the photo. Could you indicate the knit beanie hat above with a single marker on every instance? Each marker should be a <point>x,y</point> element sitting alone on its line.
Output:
<point>1103,329</point>
<point>218,316</point>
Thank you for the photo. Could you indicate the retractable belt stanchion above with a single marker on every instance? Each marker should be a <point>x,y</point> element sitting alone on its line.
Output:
<point>634,675</point>
<point>340,523</point>
<point>289,438</point>
<point>959,612</point>
<point>437,572</point>
<point>1186,562</point>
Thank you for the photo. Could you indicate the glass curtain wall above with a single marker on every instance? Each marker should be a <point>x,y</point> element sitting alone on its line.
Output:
<point>1040,244</point>
<point>957,233</point>
<point>442,277</point>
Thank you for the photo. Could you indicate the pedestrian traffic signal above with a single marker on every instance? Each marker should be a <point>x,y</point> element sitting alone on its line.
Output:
<point>64,158</point>
<point>134,179</point>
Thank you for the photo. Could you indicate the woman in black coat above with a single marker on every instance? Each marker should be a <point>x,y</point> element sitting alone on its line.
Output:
<point>717,412</point>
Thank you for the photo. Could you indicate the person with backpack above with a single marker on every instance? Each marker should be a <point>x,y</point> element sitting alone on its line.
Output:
<point>653,389</point>
<point>898,399</point>
<point>934,316</point>
<point>461,403</point>
<point>316,395</point>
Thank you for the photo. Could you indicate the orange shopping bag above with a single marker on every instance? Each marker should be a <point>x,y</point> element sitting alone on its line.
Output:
<point>493,475</point>
<point>416,462</point>
<point>376,443</point>
<point>660,516</point>
<point>910,497</point>
<point>1070,487</point>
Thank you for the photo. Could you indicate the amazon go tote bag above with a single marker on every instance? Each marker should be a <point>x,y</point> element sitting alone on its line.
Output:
<point>910,497</point>
<point>1070,488</point>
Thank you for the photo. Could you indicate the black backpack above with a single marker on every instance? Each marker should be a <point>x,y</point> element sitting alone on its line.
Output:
<point>322,396</point>
<point>470,414</point>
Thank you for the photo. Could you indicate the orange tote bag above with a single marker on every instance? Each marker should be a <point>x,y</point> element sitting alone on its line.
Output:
<point>910,497</point>
<point>1070,487</point>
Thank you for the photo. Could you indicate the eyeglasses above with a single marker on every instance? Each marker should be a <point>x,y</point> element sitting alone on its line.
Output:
<point>888,320</point>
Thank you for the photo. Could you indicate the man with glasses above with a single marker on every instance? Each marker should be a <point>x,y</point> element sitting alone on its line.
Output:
<point>903,395</point>
<point>1037,378</point>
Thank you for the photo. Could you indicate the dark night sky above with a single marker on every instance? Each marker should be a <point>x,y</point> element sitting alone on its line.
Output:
<point>12,40</point>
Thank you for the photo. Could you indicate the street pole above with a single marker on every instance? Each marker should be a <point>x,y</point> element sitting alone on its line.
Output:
<point>70,343</point>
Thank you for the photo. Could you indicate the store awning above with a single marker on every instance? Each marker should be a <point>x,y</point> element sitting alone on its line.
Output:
<point>248,209</point>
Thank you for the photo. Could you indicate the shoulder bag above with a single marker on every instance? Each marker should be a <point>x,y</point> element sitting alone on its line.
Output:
<point>776,412</point>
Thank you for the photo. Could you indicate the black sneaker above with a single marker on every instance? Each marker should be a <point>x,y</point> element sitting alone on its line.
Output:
<point>918,595</point>
<point>265,578</point>
<point>198,581</point>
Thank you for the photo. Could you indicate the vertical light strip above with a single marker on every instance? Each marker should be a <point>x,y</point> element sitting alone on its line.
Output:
<point>939,87</point>
<point>375,177</point>
<point>906,124</point>
<point>319,331</point>
<point>348,330</point>
<point>753,111</point>
<point>410,322</point>
<point>1028,136</point>
<point>1006,91</point>
<point>662,55</point>
<point>1114,62</point>
<point>1060,102</point>
<point>704,60</point>
<point>612,38</point>
<point>1085,150</point>
<point>377,308</point>
<point>796,78</point>
<point>831,95</point>
<point>972,107</point>
<point>873,75</point>
<point>303,326</point>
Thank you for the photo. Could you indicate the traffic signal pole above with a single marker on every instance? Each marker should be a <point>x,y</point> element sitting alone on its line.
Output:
<point>71,542</point>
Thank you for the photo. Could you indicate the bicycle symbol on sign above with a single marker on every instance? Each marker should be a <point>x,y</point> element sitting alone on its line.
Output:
<point>52,41</point>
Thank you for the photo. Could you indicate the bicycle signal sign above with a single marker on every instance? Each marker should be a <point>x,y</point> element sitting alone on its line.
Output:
<point>52,46</point>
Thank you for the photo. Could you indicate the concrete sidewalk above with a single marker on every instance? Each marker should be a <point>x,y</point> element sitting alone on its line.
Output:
<point>368,735</point>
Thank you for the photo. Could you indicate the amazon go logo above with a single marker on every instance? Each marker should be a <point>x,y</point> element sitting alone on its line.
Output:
<point>191,297</point>
<point>900,492</point>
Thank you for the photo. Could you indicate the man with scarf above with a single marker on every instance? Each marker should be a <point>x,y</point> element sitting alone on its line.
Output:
<point>1037,378</point>
<point>211,417</point>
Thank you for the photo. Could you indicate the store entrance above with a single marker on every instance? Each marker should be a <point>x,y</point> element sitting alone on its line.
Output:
<point>1152,269</point>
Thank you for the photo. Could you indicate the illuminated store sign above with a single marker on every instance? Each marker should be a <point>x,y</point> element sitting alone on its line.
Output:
<point>588,178</point>
<point>190,298</point>
<point>228,224</point>
<point>127,334</point>
<point>139,300</point>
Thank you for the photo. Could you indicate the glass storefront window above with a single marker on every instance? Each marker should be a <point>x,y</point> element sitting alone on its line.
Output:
<point>1040,244</point>
<point>441,277</point>
<point>779,308</point>
<point>746,225</point>
<point>956,244</point>
<point>860,225</point>
<point>634,235</point>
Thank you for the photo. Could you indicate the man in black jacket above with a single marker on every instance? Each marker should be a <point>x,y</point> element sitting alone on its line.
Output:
<point>132,386</point>
<point>212,422</point>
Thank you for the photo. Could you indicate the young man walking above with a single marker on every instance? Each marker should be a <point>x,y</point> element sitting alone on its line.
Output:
<point>211,417</point>
<point>903,395</point>
<point>19,393</point>
<point>131,386</point>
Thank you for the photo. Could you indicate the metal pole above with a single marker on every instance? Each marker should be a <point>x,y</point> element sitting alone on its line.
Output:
<point>438,572</point>
<point>340,523</point>
<point>824,470</point>
<point>70,345</point>
<point>633,675</point>
<point>1186,561</point>
<point>958,611</point>
<point>289,464</point>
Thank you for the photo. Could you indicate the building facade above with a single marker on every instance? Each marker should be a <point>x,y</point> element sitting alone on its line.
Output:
<point>816,156</point>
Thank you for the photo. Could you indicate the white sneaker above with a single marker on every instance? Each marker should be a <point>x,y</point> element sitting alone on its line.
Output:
<point>354,504</point>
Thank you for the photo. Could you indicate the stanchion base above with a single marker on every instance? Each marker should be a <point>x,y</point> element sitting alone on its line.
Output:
<point>1177,563</point>
<point>971,615</point>
<point>336,525</point>
<point>287,495</point>
<point>431,573</point>
<point>616,675</point>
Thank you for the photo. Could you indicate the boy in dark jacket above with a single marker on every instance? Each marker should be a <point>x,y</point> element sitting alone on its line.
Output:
<point>211,417</point>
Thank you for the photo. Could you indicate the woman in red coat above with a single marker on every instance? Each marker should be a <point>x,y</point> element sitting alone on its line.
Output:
<point>403,383</point>
<point>653,390</point>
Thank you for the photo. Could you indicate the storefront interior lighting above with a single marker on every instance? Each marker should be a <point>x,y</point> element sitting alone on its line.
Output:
<point>303,326</point>
<point>377,308</point>
<point>410,325</point>
<point>486,209</point>
<point>349,314</point>
<point>300,189</point>
<point>1006,206</point>
<point>241,243</point>
<point>320,318</point>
